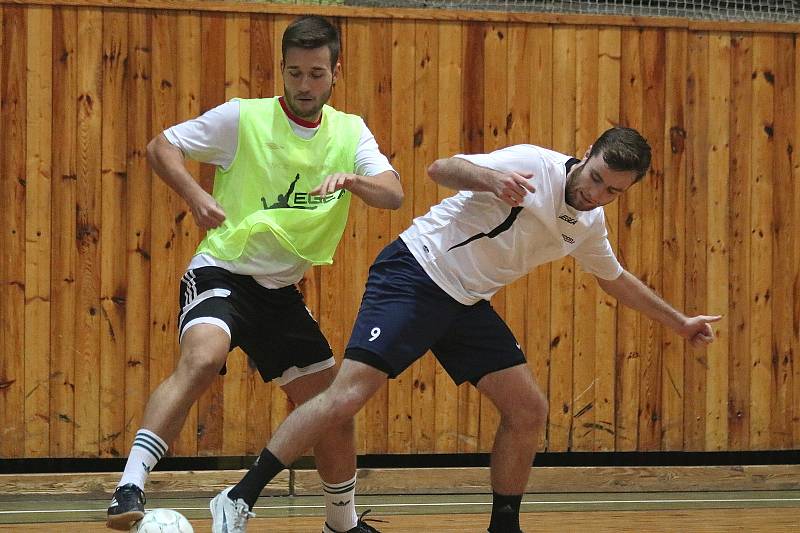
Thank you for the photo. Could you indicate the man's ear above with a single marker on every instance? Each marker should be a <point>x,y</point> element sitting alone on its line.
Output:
<point>337,70</point>
<point>588,151</point>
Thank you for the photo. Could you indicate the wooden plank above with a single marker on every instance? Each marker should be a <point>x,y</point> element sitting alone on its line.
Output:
<point>553,480</point>
<point>164,207</point>
<point>583,399</point>
<point>472,97</point>
<point>38,237</point>
<point>13,115</point>
<point>98,485</point>
<point>785,289</point>
<point>562,272</point>
<point>379,221</point>
<point>696,363</point>
<point>520,74</point>
<point>425,194</point>
<point>113,209</point>
<point>356,236</point>
<point>88,207</point>
<point>212,94</point>
<point>628,360</point>
<point>63,292</point>
<point>235,386</point>
<point>761,249</point>
<point>262,85</point>
<point>739,252</point>
<point>495,123</point>
<point>449,127</point>
<point>187,92</point>
<point>391,481</point>
<point>674,234</point>
<point>608,104</point>
<point>364,98</point>
<point>401,155</point>
<point>280,406</point>
<point>537,327</point>
<point>719,58</point>
<point>653,57</point>
<point>794,268</point>
<point>137,236</point>
<point>439,14</point>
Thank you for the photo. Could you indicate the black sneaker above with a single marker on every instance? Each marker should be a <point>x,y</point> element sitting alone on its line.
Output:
<point>363,527</point>
<point>127,507</point>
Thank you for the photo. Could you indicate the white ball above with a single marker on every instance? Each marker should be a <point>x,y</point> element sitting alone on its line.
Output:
<point>162,521</point>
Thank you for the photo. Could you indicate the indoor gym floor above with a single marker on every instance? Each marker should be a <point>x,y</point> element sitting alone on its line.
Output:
<point>758,511</point>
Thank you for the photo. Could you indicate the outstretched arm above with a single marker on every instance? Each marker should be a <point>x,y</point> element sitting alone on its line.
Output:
<point>631,292</point>
<point>459,174</point>
<point>381,190</point>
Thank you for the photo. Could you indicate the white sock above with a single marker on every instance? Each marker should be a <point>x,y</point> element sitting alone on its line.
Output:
<point>147,450</point>
<point>340,506</point>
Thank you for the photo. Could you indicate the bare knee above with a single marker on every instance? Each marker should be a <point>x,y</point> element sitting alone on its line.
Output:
<point>527,415</point>
<point>199,364</point>
<point>343,405</point>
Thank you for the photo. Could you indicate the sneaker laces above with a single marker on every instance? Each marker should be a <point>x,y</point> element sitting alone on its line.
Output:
<point>242,514</point>
<point>362,520</point>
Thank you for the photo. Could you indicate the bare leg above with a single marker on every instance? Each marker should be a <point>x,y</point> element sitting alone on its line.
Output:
<point>327,412</point>
<point>335,455</point>
<point>523,413</point>
<point>204,349</point>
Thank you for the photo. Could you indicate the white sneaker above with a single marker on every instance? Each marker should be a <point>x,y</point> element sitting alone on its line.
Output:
<point>229,516</point>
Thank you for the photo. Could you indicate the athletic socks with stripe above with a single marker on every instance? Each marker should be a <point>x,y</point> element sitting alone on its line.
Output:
<point>340,508</point>
<point>147,450</point>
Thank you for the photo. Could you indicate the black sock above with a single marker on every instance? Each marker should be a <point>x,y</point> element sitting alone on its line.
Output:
<point>263,470</point>
<point>505,513</point>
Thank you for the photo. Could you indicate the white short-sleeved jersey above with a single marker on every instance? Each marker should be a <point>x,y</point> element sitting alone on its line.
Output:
<point>472,244</point>
<point>213,138</point>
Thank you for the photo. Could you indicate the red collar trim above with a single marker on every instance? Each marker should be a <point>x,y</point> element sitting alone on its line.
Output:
<point>297,120</point>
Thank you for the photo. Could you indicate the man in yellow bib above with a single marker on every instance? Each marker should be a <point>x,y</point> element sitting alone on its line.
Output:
<point>286,170</point>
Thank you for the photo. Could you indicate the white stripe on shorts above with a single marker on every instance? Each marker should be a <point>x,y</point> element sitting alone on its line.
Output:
<point>292,373</point>
<point>205,295</point>
<point>206,320</point>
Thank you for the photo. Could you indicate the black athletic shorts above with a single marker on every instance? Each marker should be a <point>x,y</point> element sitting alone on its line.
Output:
<point>404,313</point>
<point>272,326</point>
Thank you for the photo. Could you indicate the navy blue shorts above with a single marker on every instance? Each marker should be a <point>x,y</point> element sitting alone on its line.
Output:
<point>404,314</point>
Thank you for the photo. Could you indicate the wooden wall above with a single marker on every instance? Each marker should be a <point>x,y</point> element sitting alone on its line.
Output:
<point>93,244</point>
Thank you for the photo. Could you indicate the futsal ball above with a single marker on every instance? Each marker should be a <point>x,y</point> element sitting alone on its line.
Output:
<point>162,521</point>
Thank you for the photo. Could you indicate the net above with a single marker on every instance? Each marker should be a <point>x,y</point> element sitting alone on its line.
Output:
<point>738,10</point>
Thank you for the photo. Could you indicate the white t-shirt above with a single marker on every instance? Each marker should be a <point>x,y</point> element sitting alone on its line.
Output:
<point>213,138</point>
<point>472,244</point>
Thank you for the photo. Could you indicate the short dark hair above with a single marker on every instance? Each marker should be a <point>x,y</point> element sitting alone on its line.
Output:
<point>623,149</point>
<point>311,32</point>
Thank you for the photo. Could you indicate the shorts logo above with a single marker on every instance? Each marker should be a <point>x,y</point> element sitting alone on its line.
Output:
<point>568,239</point>
<point>569,219</point>
<point>376,332</point>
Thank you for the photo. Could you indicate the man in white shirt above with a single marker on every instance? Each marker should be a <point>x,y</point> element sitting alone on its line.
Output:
<point>517,208</point>
<point>286,170</point>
